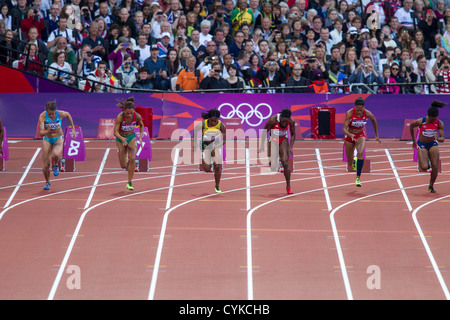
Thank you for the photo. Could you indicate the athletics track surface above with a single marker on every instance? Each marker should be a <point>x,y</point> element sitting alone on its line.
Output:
<point>174,238</point>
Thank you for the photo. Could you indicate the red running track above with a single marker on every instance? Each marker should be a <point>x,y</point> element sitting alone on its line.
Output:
<point>174,238</point>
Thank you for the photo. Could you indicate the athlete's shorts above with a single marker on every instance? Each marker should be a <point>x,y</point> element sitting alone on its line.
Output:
<point>426,145</point>
<point>127,138</point>
<point>207,149</point>
<point>277,140</point>
<point>52,140</point>
<point>357,136</point>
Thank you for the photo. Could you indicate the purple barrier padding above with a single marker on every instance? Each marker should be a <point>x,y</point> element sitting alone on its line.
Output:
<point>5,149</point>
<point>253,109</point>
<point>144,151</point>
<point>85,108</point>
<point>74,146</point>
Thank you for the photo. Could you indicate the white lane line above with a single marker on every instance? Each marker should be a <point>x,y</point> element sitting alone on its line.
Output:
<point>427,247</point>
<point>172,178</point>
<point>394,169</point>
<point>23,178</point>
<point>324,181</point>
<point>247,174</point>
<point>97,178</point>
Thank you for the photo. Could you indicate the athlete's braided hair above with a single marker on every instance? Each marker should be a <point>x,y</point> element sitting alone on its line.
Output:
<point>211,113</point>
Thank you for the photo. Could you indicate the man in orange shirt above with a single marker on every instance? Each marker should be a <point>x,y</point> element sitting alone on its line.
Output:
<point>189,78</point>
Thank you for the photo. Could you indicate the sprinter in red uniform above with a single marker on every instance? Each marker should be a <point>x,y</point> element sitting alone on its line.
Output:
<point>278,126</point>
<point>431,131</point>
<point>355,136</point>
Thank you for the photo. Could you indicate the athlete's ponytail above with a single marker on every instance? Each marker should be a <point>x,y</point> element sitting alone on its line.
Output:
<point>125,104</point>
<point>433,111</point>
<point>211,114</point>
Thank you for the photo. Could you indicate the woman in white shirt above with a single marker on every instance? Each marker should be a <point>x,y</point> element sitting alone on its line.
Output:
<point>60,69</point>
<point>5,16</point>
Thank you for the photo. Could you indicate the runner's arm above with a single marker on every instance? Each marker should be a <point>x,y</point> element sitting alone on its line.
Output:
<point>441,137</point>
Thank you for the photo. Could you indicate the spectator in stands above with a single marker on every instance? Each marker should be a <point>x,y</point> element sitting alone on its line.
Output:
<point>103,12</point>
<point>60,70</point>
<point>32,18</point>
<point>424,75</point>
<point>443,75</point>
<point>127,73</point>
<point>17,14</point>
<point>143,82</point>
<point>101,80</point>
<point>116,57</point>
<point>240,15</point>
<point>388,79</point>
<point>5,15</point>
<point>42,49</point>
<point>157,71</point>
<point>29,60</point>
<point>164,44</point>
<point>197,49</point>
<point>271,75</point>
<point>112,38</point>
<point>126,20</point>
<point>8,47</point>
<point>61,44</point>
<point>51,21</point>
<point>94,40</point>
<point>172,63</point>
<point>404,14</point>
<point>62,31</point>
<point>365,73</point>
<point>318,83</point>
<point>296,80</point>
<point>336,78</point>
<point>189,78</point>
<point>88,61</point>
<point>205,35</point>
<point>142,48</point>
<point>235,82</point>
<point>214,80</point>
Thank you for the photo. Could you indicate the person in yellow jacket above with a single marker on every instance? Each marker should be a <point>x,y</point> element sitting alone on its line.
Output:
<point>241,15</point>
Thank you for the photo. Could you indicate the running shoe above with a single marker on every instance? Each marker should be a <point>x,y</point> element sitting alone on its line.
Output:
<point>129,186</point>
<point>55,170</point>
<point>217,189</point>
<point>355,159</point>
<point>47,186</point>
<point>431,189</point>
<point>357,182</point>
<point>289,190</point>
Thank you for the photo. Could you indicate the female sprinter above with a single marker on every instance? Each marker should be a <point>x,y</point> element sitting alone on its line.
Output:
<point>431,131</point>
<point>213,139</point>
<point>278,126</point>
<point>53,140</point>
<point>126,121</point>
<point>355,136</point>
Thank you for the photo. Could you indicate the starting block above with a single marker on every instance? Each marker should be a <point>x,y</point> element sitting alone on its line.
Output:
<point>5,156</point>
<point>144,152</point>
<point>73,149</point>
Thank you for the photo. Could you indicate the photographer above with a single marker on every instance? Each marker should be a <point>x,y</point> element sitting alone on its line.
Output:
<point>271,76</point>
<point>88,61</point>
<point>214,80</point>
<point>94,40</point>
<point>443,75</point>
<point>33,19</point>
<point>365,73</point>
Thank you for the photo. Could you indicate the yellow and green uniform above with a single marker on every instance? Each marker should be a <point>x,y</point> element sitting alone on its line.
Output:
<point>210,134</point>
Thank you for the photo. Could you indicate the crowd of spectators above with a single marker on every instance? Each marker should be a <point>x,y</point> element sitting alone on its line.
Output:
<point>274,45</point>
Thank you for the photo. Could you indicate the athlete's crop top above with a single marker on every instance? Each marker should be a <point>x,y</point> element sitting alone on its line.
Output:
<point>278,130</point>
<point>128,127</point>
<point>357,123</point>
<point>210,134</point>
<point>429,130</point>
<point>52,124</point>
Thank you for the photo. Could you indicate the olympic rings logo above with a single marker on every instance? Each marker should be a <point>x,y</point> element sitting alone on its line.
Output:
<point>249,114</point>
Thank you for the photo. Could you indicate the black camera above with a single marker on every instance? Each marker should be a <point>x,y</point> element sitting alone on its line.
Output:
<point>89,54</point>
<point>219,14</point>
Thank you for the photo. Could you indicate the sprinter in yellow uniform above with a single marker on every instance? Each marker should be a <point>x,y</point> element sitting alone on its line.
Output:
<point>212,141</point>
